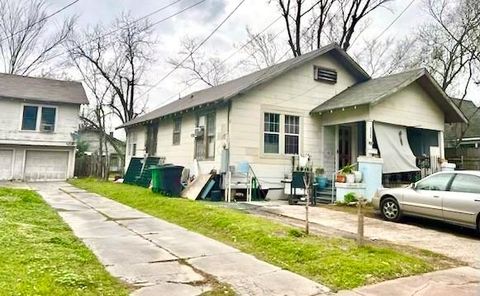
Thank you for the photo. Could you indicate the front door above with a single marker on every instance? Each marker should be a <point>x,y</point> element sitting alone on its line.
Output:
<point>344,146</point>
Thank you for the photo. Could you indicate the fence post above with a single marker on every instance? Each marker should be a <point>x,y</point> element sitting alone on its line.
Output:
<point>360,226</point>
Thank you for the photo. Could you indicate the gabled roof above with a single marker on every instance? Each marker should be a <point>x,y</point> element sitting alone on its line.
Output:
<point>375,90</point>
<point>41,89</point>
<point>240,85</point>
<point>472,112</point>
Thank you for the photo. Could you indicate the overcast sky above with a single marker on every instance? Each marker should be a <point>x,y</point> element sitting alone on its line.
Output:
<point>200,21</point>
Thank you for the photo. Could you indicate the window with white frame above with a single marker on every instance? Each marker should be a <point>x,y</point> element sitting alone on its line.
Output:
<point>31,121</point>
<point>292,133</point>
<point>281,133</point>
<point>205,136</point>
<point>177,130</point>
<point>271,133</point>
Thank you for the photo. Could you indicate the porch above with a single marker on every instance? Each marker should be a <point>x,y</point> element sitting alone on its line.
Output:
<point>420,154</point>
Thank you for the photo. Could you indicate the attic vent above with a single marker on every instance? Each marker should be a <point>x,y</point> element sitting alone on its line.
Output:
<point>324,74</point>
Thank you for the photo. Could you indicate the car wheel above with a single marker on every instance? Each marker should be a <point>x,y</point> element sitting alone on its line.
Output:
<point>390,209</point>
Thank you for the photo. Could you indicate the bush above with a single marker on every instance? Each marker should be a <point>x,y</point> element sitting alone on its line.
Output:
<point>350,197</point>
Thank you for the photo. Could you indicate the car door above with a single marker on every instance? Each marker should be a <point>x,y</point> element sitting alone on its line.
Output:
<point>461,203</point>
<point>425,197</point>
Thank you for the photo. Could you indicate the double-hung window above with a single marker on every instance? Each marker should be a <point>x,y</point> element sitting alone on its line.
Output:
<point>205,136</point>
<point>177,131</point>
<point>292,132</point>
<point>30,118</point>
<point>271,134</point>
<point>281,133</point>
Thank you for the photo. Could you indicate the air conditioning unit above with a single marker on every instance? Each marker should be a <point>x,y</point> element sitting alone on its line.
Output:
<point>48,128</point>
<point>198,132</point>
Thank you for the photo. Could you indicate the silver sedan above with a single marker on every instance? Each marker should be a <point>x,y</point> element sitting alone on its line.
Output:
<point>452,197</point>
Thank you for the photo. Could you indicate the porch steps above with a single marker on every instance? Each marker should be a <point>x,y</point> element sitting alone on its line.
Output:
<point>325,195</point>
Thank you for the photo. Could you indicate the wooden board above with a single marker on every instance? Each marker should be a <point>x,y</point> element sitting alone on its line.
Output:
<point>195,188</point>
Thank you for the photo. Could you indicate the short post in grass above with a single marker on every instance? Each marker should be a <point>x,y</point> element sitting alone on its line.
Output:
<point>360,227</point>
<point>307,181</point>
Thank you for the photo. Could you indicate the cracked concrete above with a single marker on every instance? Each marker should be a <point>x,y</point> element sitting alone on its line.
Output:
<point>463,248</point>
<point>160,258</point>
<point>461,281</point>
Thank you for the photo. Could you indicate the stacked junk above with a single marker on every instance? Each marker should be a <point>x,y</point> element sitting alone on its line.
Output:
<point>178,181</point>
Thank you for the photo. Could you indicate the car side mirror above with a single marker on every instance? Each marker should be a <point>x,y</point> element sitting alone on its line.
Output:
<point>413,186</point>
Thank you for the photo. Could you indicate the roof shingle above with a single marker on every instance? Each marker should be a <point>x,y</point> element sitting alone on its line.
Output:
<point>41,89</point>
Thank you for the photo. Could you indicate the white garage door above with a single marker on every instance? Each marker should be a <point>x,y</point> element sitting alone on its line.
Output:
<point>6,157</point>
<point>46,165</point>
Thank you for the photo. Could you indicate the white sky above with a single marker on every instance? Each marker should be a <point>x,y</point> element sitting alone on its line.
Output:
<point>201,20</point>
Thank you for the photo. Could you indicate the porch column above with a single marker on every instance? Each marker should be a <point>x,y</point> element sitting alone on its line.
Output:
<point>368,137</point>
<point>441,144</point>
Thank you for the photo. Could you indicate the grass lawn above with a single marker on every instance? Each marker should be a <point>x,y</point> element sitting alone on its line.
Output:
<point>335,262</point>
<point>39,254</point>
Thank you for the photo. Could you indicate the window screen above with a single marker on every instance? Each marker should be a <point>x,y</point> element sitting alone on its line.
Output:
<point>292,131</point>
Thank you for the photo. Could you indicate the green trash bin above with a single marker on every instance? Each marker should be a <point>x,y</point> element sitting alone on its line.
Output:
<point>157,178</point>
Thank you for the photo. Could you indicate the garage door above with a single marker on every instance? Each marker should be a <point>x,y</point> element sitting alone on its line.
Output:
<point>6,157</point>
<point>46,165</point>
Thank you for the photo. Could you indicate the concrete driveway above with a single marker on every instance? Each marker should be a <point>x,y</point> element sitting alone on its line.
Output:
<point>160,258</point>
<point>465,248</point>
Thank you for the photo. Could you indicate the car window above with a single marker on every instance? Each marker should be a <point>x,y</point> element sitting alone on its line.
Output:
<point>436,182</point>
<point>466,183</point>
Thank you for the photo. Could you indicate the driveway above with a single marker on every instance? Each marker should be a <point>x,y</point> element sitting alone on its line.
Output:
<point>160,258</point>
<point>461,247</point>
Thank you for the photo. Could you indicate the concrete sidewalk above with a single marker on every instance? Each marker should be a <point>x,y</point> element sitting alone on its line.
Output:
<point>461,281</point>
<point>161,258</point>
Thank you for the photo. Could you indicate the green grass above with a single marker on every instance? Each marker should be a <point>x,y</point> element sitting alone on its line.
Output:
<point>336,262</point>
<point>39,254</point>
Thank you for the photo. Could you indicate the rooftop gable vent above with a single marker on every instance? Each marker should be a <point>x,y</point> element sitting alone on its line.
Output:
<point>324,74</point>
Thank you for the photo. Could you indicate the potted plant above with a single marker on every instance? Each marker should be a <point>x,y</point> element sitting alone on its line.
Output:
<point>320,179</point>
<point>347,171</point>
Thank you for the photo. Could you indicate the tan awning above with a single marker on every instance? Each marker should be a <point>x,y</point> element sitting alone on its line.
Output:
<point>394,148</point>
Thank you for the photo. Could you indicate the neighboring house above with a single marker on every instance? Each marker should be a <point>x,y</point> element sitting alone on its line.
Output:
<point>321,103</point>
<point>38,119</point>
<point>462,141</point>
<point>115,147</point>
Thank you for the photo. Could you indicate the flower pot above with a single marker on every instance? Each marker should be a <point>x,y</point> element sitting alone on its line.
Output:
<point>350,178</point>
<point>321,182</point>
<point>358,176</point>
<point>340,178</point>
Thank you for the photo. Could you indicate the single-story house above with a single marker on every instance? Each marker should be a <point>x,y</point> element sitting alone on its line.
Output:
<point>462,140</point>
<point>115,148</point>
<point>38,119</point>
<point>321,103</point>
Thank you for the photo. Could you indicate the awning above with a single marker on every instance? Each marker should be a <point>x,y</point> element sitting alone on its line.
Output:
<point>394,148</point>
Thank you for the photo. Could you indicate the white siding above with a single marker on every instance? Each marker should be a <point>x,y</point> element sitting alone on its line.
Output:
<point>296,93</point>
<point>411,106</point>
<point>11,119</point>
<point>182,154</point>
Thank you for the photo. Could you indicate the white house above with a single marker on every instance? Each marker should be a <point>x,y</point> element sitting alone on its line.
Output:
<point>38,118</point>
<point>321,103</point>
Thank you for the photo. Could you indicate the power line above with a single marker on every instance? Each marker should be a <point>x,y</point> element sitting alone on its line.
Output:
<point>41,20</point>
<point>251,40</point>
<point>390,25</point>
<point>193,51</point>
<point>133,22</point>
<point>230,56</point>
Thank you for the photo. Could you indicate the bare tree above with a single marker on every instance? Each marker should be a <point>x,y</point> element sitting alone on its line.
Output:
<point>27,37</point>
<point>337,20</point>
<point>261,49</point>
<point>120,59</point>
<point>209,70</point>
